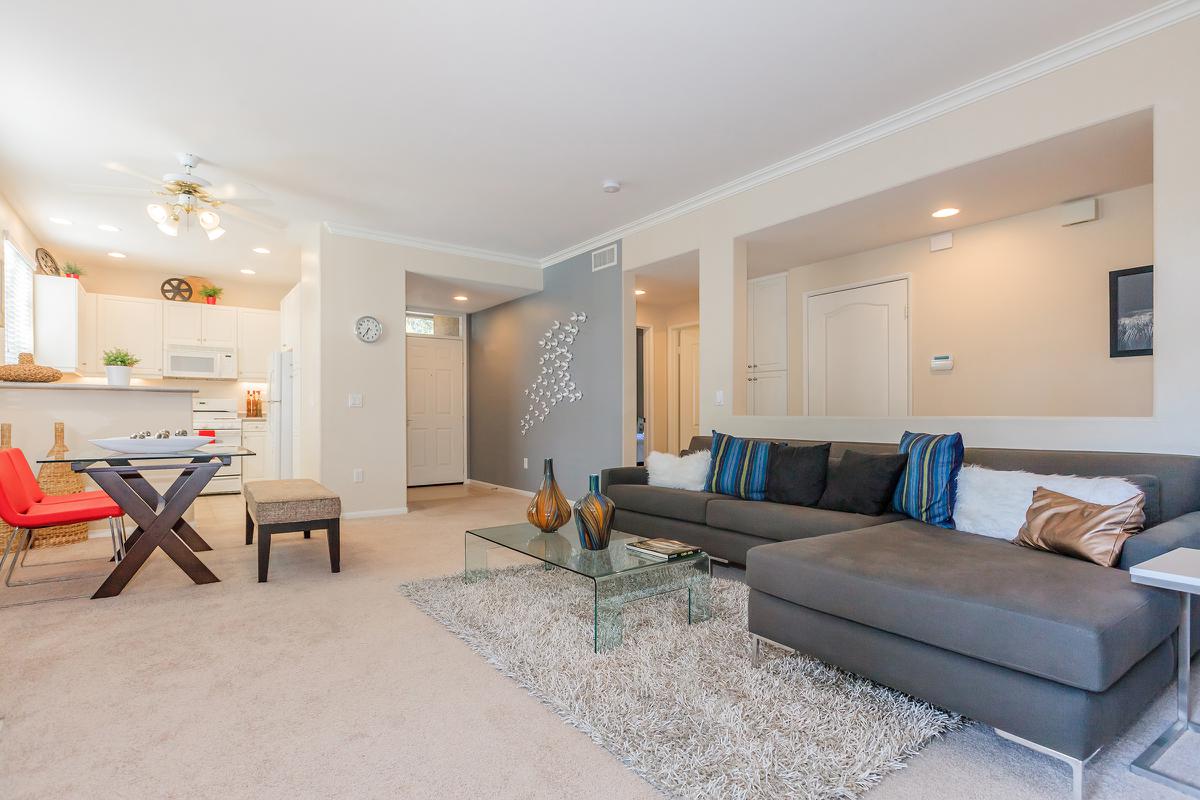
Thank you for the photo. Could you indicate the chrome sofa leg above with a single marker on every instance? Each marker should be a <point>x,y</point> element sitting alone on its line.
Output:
<point>755,651</point>
<point>1077,764</point>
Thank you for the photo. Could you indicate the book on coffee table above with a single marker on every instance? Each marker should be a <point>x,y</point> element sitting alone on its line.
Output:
<point>662,549</point>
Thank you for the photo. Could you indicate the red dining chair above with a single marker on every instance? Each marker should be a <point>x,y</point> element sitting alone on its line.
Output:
<point>19,509</point>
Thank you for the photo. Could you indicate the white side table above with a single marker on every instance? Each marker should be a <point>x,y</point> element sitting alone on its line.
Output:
<point>1178,570</point>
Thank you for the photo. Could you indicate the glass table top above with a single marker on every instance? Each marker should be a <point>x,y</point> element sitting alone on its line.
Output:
<point>92,453</point>
<point>562,549</point>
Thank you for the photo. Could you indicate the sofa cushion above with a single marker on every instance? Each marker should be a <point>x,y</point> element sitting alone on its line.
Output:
<point>862,483</point>
<point>927,489</point>
<point>796,475</point>
<point>1059,618</point>
<point>738,467</point>
<point>660,501</point>
<point>782,522</point>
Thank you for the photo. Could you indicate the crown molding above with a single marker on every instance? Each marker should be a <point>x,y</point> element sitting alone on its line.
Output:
<point>1119,33</point>
<point>352,231</point>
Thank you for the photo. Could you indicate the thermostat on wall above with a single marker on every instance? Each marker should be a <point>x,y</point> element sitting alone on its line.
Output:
<point>942,363</point>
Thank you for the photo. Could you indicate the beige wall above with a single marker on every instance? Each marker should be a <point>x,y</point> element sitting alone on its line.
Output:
<point>1156,71</point>
<point>110,279</point>
<point>1021,303</point>
<point>660,319</point>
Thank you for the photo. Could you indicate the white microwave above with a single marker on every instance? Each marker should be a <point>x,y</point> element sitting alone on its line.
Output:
<point>209,363</point>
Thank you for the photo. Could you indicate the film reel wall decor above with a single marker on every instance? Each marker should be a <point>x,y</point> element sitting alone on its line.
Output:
<point>554,384</point>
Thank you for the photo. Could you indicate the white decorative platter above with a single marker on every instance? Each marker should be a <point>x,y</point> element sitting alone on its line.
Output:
<point>123,444</point>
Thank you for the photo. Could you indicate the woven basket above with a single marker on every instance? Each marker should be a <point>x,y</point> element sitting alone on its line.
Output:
<point>25,371</point>
<point>5,443</point>
<point>56,479</point>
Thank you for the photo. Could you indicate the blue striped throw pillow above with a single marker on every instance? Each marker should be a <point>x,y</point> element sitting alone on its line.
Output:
<point>738,467</point>
<point>928,488</point>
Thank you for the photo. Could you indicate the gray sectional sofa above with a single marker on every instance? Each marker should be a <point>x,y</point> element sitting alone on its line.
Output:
<point>1052,651</point>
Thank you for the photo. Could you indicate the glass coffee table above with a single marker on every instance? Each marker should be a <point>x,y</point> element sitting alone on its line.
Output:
<point>619,575</point>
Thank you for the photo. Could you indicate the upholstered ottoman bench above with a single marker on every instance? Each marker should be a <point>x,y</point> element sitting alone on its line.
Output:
<point>287,506</point>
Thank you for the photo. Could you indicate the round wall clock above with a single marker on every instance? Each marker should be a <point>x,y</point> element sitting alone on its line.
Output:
<point>368,329</point>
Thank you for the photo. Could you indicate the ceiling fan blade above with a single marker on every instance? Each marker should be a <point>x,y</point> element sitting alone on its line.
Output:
<point>116,191</point>
<point>253,217</point>
<point>238,192</point>
<point>133,173</point>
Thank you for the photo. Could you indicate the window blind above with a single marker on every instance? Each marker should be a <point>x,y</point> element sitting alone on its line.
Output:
<point>18,304</point>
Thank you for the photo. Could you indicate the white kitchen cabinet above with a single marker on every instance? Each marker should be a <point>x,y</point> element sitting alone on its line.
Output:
<point>766,318</point>
<point>767,394</point>
<point>254,437</point>
<point>258,334</point>
<point>199,325</point>
<point>64,325</point>
<point>289,320</point>
<point>134,324</point>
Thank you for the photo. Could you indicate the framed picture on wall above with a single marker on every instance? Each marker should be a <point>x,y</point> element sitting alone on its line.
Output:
<point>1131,312</point>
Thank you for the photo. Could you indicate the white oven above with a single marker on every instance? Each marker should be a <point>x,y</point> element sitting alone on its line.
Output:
<point>212,363</point>
<point>218,418</point>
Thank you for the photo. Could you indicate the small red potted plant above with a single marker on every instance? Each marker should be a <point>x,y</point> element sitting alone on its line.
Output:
<point>210,294</point>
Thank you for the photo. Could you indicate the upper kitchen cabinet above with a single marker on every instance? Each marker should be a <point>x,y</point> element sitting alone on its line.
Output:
<point>258,337</point>
<point>64,325</point>
<point>134,324</point>
<point>197,325</point>
<point>766,334</point>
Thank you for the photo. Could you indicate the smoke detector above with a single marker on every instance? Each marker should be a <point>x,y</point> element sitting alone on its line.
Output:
<point>610,186</point>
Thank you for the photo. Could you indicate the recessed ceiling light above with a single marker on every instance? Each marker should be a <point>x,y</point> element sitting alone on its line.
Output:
<point>247,272</point>
<point>462,298</point>
<point>639,292</point>
<point>941,213</point>
<point>262,251</point>
<point>60,221</point>
<point>109,228</point>
<point>116,255</point>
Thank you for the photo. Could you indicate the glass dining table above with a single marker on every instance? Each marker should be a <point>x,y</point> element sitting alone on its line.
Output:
<point>157,515</point>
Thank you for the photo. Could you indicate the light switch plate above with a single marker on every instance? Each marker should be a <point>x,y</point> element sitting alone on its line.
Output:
<point>357,475</point>
<point>719,397</point>
<point>355,400</point>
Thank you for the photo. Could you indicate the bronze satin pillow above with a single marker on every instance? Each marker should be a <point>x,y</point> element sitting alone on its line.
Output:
<point>1073,527</point>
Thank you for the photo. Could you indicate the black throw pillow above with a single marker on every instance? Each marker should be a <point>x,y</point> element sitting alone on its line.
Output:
<point>796,475</point>
<point>863,483</point>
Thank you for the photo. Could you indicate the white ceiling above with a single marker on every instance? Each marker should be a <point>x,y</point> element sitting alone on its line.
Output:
<point>1114,155</point>
<point>489,125</point>
<point>670,282</point>
<point>432,293</point>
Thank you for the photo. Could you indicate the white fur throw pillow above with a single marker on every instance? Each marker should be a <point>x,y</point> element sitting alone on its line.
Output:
<point>678,472</point>
<point>993,502</point>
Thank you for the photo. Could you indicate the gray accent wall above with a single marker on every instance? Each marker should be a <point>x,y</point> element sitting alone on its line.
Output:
<point>582,437</point>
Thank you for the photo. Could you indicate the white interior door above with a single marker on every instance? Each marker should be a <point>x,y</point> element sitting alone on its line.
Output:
<point>857,353</point>
<point>687,365</point>
<point>435,411</point>
<point>767,324</point>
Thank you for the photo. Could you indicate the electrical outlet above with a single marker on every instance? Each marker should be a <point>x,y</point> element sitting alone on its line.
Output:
<point>358,475</point>
<point>525,463</point>
<point>355,400</point>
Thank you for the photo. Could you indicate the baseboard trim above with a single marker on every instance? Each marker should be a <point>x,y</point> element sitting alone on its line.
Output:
<point>498,487</point>
<point>375,512</point>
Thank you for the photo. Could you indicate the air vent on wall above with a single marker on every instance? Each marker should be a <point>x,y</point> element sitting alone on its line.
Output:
<point>604,257</point>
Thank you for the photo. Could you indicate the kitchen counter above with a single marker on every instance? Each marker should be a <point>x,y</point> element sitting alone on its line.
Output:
<point>103,387</point>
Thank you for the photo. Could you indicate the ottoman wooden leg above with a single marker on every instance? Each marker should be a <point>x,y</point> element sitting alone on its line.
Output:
<point>264,554</point>
<point>308,534</point>
<point>249,528</point>
<point>333,534</point>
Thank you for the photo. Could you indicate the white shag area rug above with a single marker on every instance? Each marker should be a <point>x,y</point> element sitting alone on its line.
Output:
<point>682,705</point>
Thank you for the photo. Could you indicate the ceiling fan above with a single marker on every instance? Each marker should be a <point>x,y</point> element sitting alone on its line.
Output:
<point>186,194</point>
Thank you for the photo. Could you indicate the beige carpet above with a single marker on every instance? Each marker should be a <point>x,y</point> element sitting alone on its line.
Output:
<point>334,686</point>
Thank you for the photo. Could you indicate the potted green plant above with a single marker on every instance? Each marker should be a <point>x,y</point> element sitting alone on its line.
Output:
<point>72,270</point>
<point>210,294</point>
<point>118,365</point>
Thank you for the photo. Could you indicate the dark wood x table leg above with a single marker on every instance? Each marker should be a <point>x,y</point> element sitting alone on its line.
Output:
<point>183,529</point>
<point>156,518</point>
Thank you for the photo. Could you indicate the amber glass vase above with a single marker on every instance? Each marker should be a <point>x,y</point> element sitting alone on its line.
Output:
<point>549,509</point>
<point>594,517</point>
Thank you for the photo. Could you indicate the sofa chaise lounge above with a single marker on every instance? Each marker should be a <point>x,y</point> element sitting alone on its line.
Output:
<point>1055,653</point>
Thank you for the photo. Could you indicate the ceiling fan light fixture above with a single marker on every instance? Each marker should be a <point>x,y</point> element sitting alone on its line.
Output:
<point>215,233</point>
<point>170,226</point>
<point>209,220</point>
<point>157,212</point>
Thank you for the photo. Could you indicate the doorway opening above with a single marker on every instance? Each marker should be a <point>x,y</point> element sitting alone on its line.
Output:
<point>435,390</point>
